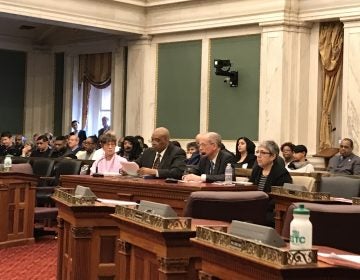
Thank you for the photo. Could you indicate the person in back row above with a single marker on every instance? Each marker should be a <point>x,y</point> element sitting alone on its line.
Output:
<point>212,164</point>
<point>90,145</point>
<point>245,153</point>
<point>130,148</point>
<point>346,162</point>
<point>287,150</point>
<point>7,146</point>
<point>300,163</point>
<point>42,147</point>
<point>164,159</point>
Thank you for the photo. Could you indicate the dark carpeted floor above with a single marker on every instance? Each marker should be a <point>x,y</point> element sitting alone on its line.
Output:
<point>30,262</point>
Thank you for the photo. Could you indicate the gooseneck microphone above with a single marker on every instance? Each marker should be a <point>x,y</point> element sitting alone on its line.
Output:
<point>97,174</point>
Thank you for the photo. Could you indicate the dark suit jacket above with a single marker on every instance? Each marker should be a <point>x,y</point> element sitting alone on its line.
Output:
<point>218,174</point>
<point>172,164</point>
<point>82,136</point>
<point>277,177</point>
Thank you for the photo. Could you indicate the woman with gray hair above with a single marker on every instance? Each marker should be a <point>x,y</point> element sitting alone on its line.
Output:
<point>268,172</point>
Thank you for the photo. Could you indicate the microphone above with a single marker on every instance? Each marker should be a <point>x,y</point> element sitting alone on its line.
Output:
<point>97,174</point>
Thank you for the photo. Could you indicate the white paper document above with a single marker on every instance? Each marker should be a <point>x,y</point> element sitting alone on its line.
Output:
<point>130,167</point>
<point>349,258</point>
<point>116,202</point>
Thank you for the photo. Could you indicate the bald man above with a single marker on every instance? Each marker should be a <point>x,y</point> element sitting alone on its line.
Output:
<point>163,159</point>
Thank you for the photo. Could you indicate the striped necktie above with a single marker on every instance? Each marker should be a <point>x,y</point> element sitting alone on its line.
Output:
<point>157,161</point>
<point>212,165</point>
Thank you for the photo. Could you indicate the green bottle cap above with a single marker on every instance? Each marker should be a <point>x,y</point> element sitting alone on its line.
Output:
<point>301,210</point>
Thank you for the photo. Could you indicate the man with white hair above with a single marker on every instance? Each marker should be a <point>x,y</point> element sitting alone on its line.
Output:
<point>213,162</point>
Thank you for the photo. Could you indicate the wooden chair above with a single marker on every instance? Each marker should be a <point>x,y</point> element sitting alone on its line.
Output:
<point>327,154</point>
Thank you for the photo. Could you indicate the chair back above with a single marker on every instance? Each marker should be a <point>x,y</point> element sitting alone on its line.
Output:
<point>333,225</point>
<point>249,206</point>
<point>24,168</point>
<point>307,182</point>
<point>42,167</point>
<point>340,186</point>
<point>66,167</point>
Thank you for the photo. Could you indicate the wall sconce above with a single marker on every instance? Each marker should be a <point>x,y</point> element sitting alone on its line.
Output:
<point>222,68</point>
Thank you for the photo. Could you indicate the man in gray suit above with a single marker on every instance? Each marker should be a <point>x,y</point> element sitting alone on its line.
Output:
<point>212,164</point>
<point>346,162</point>
<point>163,160</point>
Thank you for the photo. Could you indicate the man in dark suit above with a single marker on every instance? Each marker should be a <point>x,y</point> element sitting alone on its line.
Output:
<point>79,133</point>
<point>212,164</point>
<point>164,159</point>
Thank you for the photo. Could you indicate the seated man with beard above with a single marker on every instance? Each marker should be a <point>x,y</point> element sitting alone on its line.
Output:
<point>130,148</point>
<point>60,149</point>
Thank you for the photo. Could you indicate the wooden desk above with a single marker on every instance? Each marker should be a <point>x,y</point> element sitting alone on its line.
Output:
<point>282,203</point>
<point>151,253</point>
<point>135,189</point>
<point>86,242</point>
<point>17,203</point>
<point>219,263</point>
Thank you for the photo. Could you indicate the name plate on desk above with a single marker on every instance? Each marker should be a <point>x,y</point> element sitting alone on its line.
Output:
<point>69,195</point>
<point>253,249</point>
<point>301,194</point>
<point>153,220</point>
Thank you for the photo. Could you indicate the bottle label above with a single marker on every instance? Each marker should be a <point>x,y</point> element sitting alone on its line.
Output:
<point>296,238</point>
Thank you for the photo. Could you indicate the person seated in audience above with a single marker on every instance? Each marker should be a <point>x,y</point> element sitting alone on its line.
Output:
<point>42,147</point>
<point>79,133</point>
<point>73,144</point>
<point>245,153</point>
<point>192,153</point>
<point>300,163</point>
<point>7,146</point>
<point>51,138</point>
<point>28,149</point>
<point>89,145</point>
<point>164,159</point>
<point>110,162</point>
<point>19,143</point>
<point>142,142</point>
<point>130,148</point>
<point>212,164</point>
<point>269,172</point>
<point>99,153</point>
<point>105,128</point>
<point>287,150</point>
<point>60,149</point>
<point>35,136</point>
<point>346,162</point>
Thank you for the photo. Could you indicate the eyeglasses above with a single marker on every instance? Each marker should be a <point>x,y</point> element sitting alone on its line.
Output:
<point>261,153</point>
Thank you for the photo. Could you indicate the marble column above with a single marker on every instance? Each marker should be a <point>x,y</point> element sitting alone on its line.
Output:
<point>284,111</point>
<point>351,82</point>
<point>117,89</point>
<point>141,98</point>
<point>39,98</point>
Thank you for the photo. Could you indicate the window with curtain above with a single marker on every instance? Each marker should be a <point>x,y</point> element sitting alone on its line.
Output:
<point>95,85</point>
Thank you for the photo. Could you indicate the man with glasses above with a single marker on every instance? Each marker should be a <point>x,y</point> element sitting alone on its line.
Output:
<point>42,147</point>
<point>163,159</point>
<point>346,162</point>
<point>89,148</point>
<point>214,160</point>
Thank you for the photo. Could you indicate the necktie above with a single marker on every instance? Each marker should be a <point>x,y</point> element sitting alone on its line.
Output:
<point>212,165</point>
<point>157,161</point>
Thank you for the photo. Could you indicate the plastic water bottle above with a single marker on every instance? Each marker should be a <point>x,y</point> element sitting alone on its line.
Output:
<point>228,174</point>
<point>301,229</point>
<point>7,163</point>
